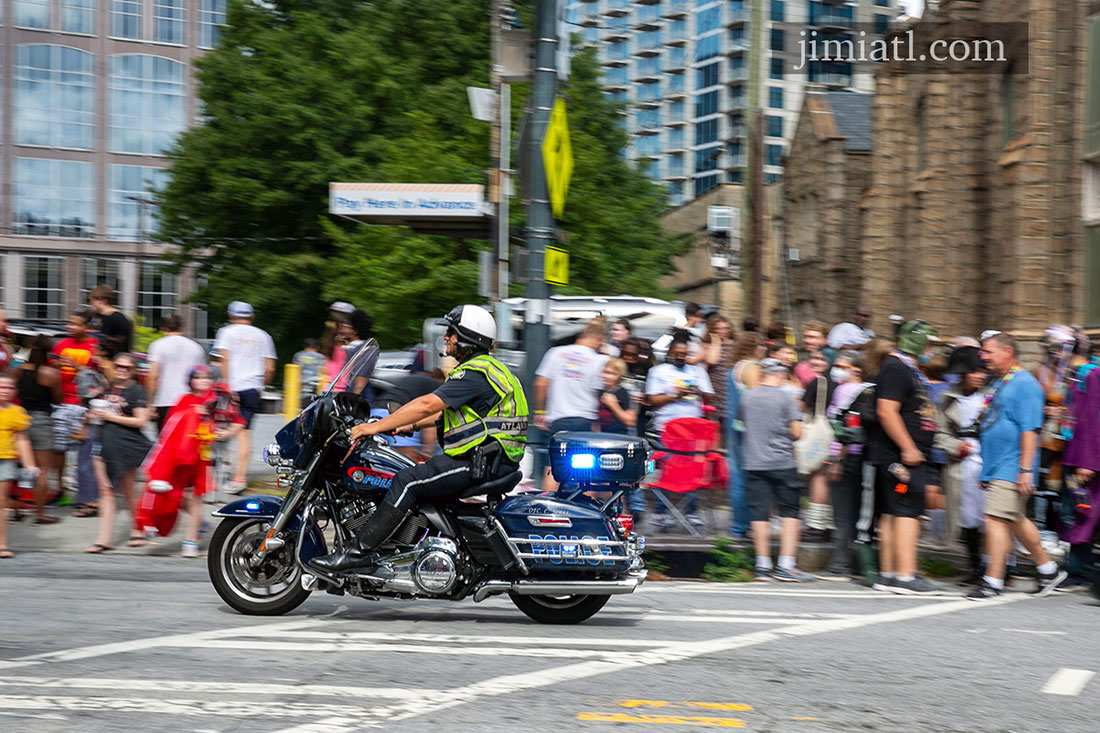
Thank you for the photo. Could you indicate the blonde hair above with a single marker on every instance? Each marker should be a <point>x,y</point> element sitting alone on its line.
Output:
<point>617,365</point>
<point>818,326</point>
<point>877,350</point>
<point>595,329</point>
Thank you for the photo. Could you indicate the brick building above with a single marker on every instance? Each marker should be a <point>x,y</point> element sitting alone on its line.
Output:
<point>975,217</point>
<point>828,175</point>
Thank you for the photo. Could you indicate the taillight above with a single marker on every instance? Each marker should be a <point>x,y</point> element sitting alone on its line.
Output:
<point>625,522</point>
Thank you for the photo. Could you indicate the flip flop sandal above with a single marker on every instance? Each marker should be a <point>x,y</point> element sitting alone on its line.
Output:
<point>15,517</point>
<point>86,511</point>
<point>137,542</point>
<point>98,549</point>
<point>46,520</point>
<point>6,554</point>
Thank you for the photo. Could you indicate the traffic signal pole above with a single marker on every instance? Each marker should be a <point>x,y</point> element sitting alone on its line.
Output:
<point>540,218</point>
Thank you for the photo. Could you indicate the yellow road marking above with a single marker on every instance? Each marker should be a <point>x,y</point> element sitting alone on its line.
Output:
<point>801,718</point>
<point>662,719</point>
<point>666,703</point>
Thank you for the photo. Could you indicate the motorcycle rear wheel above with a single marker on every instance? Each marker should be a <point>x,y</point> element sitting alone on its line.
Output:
<point>560,610</point>
<point>270,589</point>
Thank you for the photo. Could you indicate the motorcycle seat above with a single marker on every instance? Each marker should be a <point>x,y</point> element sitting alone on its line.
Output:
<point>495,487</point>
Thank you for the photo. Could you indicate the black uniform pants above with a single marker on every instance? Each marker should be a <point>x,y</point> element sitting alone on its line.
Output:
<point>439,476</point>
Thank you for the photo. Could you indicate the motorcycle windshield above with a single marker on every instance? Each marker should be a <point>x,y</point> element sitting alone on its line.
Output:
<point>361,362</point>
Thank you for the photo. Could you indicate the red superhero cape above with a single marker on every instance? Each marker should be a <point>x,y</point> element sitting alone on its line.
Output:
<point>184,441</point>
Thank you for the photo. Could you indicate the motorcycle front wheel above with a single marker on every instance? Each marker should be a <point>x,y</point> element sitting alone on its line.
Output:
<point>559,609</point>
<point>271,587</point>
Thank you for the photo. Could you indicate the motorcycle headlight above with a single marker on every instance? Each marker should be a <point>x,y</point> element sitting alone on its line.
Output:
<point>271,454</point>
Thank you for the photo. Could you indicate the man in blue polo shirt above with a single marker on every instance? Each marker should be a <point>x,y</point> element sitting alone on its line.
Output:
<point>1009,424</point>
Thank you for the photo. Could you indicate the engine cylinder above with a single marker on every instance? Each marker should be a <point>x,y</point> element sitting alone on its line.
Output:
<point>436,569</point>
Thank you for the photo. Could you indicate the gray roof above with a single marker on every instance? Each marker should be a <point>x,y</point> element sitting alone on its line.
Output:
<point>852,115</point>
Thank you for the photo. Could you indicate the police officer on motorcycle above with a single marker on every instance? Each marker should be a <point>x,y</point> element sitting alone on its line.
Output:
<point>482,412</point>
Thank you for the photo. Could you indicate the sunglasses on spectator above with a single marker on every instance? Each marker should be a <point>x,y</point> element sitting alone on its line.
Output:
<point>125,367</point>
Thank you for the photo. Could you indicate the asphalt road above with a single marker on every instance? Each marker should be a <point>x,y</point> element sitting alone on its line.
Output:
<point>143,644</point>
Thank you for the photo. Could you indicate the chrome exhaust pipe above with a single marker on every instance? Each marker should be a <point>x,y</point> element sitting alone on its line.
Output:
<point>562,587</point>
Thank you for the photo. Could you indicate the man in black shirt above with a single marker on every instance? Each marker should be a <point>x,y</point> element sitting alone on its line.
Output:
<point>900,448</point>
<point>116,330</point>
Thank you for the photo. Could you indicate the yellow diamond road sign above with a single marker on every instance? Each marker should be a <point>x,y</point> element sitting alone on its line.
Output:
<point>557,157</point>
<point>557,266</point>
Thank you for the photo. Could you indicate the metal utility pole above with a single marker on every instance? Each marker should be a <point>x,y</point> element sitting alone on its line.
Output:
<point>754,190</point>
<point>540,218</point>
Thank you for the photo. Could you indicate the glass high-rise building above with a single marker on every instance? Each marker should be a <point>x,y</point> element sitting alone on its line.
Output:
<point>95,92</point>
<point>686,70</point>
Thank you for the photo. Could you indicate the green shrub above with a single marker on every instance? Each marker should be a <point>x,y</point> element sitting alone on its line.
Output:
<point>730,565</point>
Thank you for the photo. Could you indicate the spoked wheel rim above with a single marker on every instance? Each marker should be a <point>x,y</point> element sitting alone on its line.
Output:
<point>266,582</point>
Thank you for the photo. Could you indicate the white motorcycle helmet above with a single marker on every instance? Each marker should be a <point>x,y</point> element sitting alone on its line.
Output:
<point>475,326</point>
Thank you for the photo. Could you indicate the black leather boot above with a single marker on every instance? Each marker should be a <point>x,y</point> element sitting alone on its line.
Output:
<point>383,523</point>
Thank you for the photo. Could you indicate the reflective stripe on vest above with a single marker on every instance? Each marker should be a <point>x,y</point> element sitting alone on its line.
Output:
<point>506,422</point>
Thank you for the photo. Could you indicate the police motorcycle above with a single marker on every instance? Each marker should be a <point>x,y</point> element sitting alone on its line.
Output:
<point>559,557</point>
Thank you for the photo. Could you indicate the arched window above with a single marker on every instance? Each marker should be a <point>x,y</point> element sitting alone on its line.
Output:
<point>54,96</point>
<point>146,103</point>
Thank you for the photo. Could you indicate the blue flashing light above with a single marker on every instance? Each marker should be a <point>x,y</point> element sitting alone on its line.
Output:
<point>252,506</point>
<point>582,460</point>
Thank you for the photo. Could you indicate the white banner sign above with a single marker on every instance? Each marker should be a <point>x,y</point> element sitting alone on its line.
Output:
<point>407,200</point>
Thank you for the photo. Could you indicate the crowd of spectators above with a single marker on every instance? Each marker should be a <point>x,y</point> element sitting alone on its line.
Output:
<point>840,437</point>
<point>856,440</point>
<point>83,398</point>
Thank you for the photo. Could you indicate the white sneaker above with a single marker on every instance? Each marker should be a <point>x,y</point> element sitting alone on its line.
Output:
<point>235,488</point>
<point>189,549</point>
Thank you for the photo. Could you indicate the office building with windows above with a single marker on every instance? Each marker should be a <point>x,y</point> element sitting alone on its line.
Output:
<point>690,76</point>
<point>95,92</point>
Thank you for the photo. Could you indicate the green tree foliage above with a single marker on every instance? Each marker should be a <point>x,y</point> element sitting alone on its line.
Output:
<point>301,93</point>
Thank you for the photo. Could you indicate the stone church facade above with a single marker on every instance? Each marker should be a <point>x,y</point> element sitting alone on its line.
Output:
<point>974,216</point>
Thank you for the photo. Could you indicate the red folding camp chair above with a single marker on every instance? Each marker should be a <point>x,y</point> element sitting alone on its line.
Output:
<point>689,458</point>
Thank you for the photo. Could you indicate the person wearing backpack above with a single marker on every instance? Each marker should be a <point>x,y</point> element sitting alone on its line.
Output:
<point>845,470</point>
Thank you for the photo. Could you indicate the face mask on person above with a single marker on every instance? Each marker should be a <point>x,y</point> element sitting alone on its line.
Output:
<point>838,375</point>
<point>678,363</point>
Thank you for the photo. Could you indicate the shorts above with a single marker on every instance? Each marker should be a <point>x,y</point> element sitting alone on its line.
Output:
<point>9,470</point>
<point>780,487</point>
<point>249,405</point>
<point>67,419</point>
<point>898,499</point>
<point>40,433</point>
<point>934,477</point>
<point>1004,501</point>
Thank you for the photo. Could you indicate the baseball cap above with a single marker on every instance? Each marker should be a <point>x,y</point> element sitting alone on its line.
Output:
<point>772,365</point>
<point>240,309</point>
<point>342,307</point>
